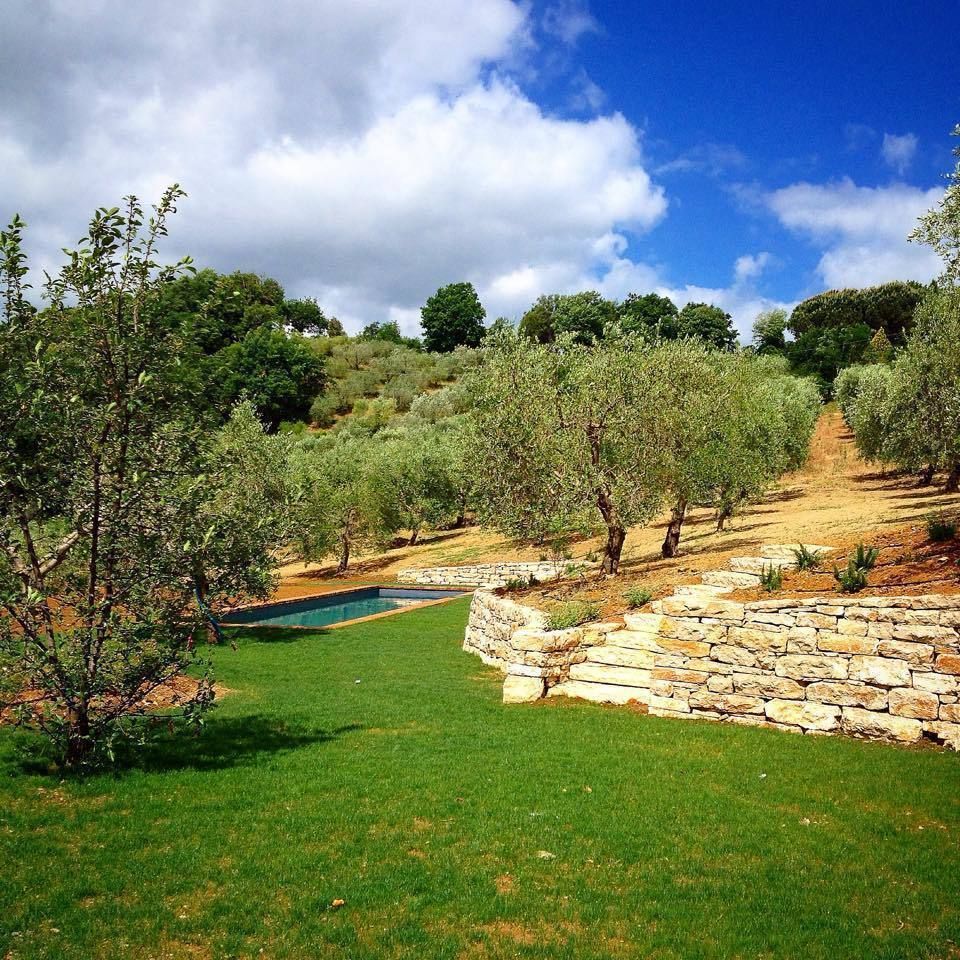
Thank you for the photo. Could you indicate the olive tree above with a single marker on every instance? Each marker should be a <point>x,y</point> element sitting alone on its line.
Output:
<point>562,435</point>
<point>104,491</point>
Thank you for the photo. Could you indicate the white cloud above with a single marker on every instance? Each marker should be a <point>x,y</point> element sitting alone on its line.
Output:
<point>362,153</point>
<point>569,20</point>
<point>863,230</point>
<point>749,267</point>
<point>898,151</point>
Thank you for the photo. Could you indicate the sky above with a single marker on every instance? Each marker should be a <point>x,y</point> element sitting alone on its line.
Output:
<point>366,153</point>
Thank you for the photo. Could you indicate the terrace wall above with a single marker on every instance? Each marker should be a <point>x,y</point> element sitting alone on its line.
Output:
<point>876,667</point>
<point>488,575</point>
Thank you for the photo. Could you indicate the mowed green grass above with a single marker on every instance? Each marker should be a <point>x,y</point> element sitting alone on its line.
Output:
<point>375,764</point>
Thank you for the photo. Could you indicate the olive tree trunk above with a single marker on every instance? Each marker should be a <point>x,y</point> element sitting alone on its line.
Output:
<point>672,540</point>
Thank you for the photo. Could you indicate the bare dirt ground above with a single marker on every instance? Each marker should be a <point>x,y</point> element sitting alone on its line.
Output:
<point>836,500</point>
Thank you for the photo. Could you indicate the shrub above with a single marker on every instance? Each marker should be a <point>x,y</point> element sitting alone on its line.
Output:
<point>637,597</point>
<point>865,557</point>
<point>853,579</point>
<point>771,578</point>
<point>940,529</point>
<point>572,614</point>
<point>807,559</point>
<point>322,411</point>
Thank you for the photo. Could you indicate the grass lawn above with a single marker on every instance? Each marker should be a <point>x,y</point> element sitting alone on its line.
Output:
<point>376,764</point>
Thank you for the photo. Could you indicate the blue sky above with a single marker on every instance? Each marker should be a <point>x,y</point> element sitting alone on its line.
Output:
<point>745,154</point>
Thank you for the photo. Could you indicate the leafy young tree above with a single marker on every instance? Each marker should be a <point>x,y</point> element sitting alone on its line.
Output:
<point>650,315</point>
<point>102,496</point>
<point>557,437</point>
<point>769,329</point>
<point>583,315</point>
<point>708,323</point>
<point>304,316</point>
<point>338,507</point>
<point>940,227</point>
<point>452,317</point>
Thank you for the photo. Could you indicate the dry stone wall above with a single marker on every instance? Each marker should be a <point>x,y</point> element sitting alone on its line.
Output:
<point>877,667</point>
<point>488,575</point>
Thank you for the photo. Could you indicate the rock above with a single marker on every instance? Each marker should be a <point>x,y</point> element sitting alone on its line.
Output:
<point>921,632</point>
<point>621,656</point>
<point>705,607</point>
<point>948,663</point>
<point>950,712</point>
<point>946,733</point>
<point>599,692</point>
<point>679,675</point>
<point>720,684</point>
<point>816,620</point>
<point>802,640</point>
<point>518,689</point>
<point>602,673</point>
<point>914,653</point>
<point>725,702</point>
<point>936,682</point>
<point>843,643</point>
<point>848,695</point>
<point>907,702</point>
<point>643,622</point>
<point>880,726</point>
<point>810,716</point>
<point>851,628</point>
<point>768,687</point>
<point>881,671</point>
<point>730,654</point>
<point>755,639</point>
<point>811,668</point>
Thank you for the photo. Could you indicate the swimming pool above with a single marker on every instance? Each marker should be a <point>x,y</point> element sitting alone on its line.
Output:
<point>335,608</point>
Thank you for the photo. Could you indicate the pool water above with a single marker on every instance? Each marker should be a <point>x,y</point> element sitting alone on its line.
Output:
<point>326,611</point>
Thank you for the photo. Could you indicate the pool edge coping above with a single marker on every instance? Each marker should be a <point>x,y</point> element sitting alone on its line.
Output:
<point>344,623</point>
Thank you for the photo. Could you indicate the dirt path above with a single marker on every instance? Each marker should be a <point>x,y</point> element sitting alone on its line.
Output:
<point>837,499</point>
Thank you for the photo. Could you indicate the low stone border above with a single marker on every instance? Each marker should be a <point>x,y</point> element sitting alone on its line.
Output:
<point>876,667</point>
<point>489,575</point>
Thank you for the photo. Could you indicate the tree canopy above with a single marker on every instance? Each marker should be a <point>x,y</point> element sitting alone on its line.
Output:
<point>452,317</point>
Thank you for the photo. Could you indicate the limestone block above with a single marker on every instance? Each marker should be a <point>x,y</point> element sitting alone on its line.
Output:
<point>810,716</point>
<point>712,666</point>
<point>936,683</point>
<point>517,689</point>
<point>672,704</point>
<point>748,721</point>
<point>726,610</point>
<point>621,656</point>
<point>693,630</point>
<point>948,663</point>
<point>882,671</point>
<point>725,702</point>
<point>643,622</point>
<point>950,712</point>
<point>812,667</point>
<point>882,631</point>
<point>851,628</point>
<point>768,687</point>
<point>689,648</point>
<point>914,653</point>
<point>880,726</point>
<point>599,692</point>
<point>947,733</point>
<point>907,702</point>
<point>678,675</point>
<point>729,654</point>
<point>817,620</point>
<point>527,638</point>
<point>603,673</point>
<point>802,640</point>
<point>771,619</point>
<point>847,694</point>
<point>842,643</point>
<point>635,639</point>
<point>921,632</point>
<point>720,684</point>
<point>756,639</point>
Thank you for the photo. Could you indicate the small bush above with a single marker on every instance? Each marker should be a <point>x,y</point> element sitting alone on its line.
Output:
<point>807,559</point>
<point>637,597</point>
<point>940,529</point>
<point>771,578</point>
<point>851,580</point>
<point>572,614</point>
<point>323,410</point>
<point>592,556</point>
<point>866,557</point>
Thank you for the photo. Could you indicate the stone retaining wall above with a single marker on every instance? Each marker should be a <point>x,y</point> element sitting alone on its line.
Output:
<point>489,575</point>
<point>876,667</point>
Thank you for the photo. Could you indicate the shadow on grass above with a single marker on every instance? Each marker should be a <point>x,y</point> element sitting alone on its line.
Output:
<point>249,634</point>
<point>228,742</point>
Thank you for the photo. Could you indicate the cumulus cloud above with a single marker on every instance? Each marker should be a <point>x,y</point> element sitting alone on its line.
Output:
<point>750,266</point>
<point>863,229</point>
<point>361,153</point>
<point>897,152</point>
<point>569,20</point>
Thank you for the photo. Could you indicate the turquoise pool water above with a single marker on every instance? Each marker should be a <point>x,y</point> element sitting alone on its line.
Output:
<point>326,611</point>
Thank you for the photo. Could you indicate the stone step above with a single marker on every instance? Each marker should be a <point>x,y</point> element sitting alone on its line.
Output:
<point>756,565</point>
<point>598,692</point>
<point>785,551</point>
<point>606,673</point>
<point>643,622</point>
<point>700,590</point>
<point>727,578</point>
